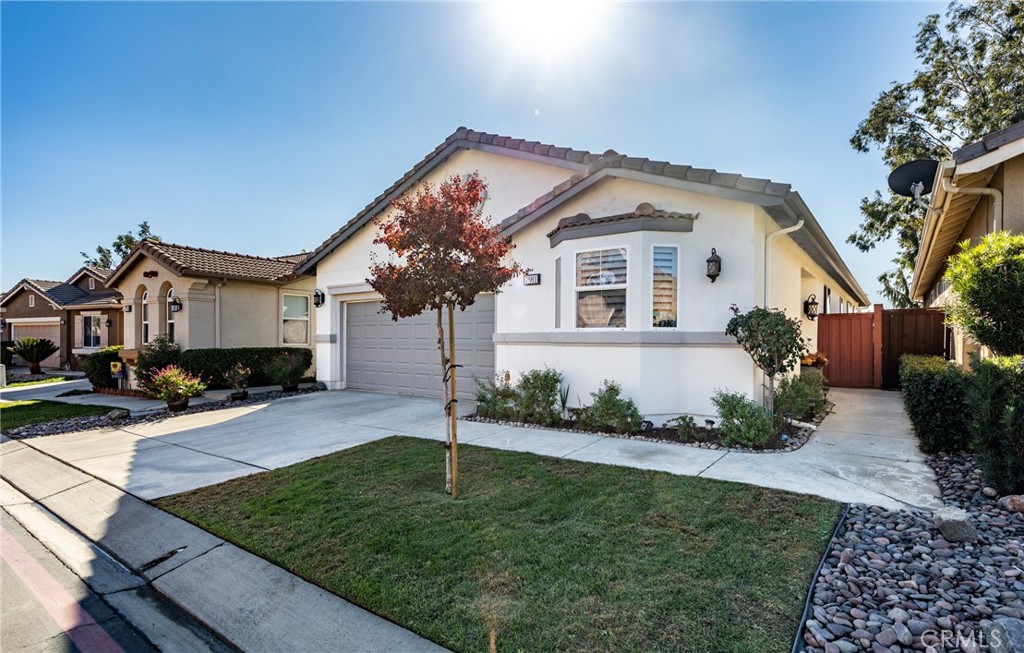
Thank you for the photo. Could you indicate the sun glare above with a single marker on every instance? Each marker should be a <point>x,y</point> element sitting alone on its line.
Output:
<point>550,29</point>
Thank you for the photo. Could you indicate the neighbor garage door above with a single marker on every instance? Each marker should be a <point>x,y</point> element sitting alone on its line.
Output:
<point>48,331</point>
<point>402,358</point>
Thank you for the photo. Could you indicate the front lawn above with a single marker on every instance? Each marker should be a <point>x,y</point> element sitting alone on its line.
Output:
<point>549,554</point>
<point>33,411</point>
<point>23,380</point>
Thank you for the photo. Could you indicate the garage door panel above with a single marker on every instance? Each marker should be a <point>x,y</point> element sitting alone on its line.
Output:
<point>401,357</point>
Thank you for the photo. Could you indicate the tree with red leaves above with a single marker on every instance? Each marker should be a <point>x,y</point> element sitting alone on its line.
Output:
<point>447,253</point>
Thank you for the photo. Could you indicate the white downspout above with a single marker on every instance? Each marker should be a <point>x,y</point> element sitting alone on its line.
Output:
<point>996,195</point>
<point>768,256</point>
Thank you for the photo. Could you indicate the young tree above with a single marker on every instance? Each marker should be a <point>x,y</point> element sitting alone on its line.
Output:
<point>444,254</point>
<point>122,246</point>
<point>773,340</point>
<point>969,84</point>
<point>988,288</point>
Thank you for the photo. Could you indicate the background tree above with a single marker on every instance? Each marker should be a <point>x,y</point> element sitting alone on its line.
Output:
<point>122,246</point>
<point>970,83</point>
<point>447,253</point>
<point>774,341</point>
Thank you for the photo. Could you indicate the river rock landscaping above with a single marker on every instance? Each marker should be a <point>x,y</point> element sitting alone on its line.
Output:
<point>891,582</point>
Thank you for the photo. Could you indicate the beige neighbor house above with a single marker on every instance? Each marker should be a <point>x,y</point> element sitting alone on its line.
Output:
<point>201,298</point>
<point>618,247</point>
<point>977,192</point>
<point>79,315</point>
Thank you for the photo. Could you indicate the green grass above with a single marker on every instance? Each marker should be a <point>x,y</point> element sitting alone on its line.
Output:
<point>551,554</point>
<point>33,411</point>
<point>49,379</point>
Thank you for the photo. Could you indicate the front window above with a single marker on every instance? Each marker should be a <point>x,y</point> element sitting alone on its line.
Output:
<point>665,286</point>
<point>91,331</point>
<point>170,316</point>
<point>601,288</point>
<point>145,318</point>
<point>295,320</point>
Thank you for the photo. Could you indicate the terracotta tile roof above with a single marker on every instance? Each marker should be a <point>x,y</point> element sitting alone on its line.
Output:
<point>644,210</point>
<point>198,262</point>
<point>100,272</point>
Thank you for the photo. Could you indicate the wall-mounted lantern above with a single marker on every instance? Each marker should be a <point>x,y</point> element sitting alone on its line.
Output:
<point>63,321</point>
<point>714,265</point>
<point>127,308</point>
<point>811,307</point>
<point>175,305</point>
<point>3,324</point>
<point>109,323</point>
<point>318,298</point>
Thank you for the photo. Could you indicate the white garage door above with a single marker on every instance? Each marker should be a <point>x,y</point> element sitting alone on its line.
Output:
<point>402,357</point>
<point>48,331</point>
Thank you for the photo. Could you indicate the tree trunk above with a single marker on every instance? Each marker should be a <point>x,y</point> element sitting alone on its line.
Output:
<point>769,399</point>
<point>453,416</point>
<point>35,368</point>
<point>447,420</point>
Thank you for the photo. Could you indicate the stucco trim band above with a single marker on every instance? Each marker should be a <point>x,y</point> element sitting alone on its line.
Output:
<point>635,338</point>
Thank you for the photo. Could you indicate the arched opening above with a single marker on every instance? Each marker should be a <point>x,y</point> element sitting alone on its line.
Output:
<point>171,313</point>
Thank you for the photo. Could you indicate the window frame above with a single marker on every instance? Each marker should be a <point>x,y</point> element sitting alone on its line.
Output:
<point>86,321</point>
<point>92,284</point>
<point>31,301</point>
<point>170,315</point>
<point>308,319</point>
<point>679,288</point>
<point>144,318</point>
<point>576,289</point>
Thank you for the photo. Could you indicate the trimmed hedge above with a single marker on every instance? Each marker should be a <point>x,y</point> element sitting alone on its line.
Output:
<point>211,364</point>
<point>995,398</point>
<point>97,366</point>
<point>934,393</point>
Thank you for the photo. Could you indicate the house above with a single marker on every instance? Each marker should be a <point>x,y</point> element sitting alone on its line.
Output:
<point>79,315</point>
<point>202,298</point>
<point>619,250</point>
<point>978,191</point>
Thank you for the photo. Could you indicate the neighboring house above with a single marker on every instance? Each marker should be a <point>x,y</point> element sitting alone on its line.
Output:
<point>79,315</point>
<point>201,298</point>
<point>977,192</point>
<point>618,246</point>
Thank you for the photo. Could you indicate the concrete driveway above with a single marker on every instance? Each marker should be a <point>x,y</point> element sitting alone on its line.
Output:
<point>864,452</point>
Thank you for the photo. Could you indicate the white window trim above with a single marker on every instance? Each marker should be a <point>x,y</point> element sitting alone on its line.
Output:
<point>86,318</point>
<point>679,285</point>
<point>144,332</point>
<point>31,301</point>
<point>615,286</point>
<point>92,284</point>
<point>308,319</point>
<point>170,314</point>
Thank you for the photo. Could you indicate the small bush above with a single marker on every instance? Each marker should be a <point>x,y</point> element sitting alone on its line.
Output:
<point>537,397</point>
<point>934,395</point>
<point>158,354</point>
<point>610,413</point>
<point>995,399</point>
<point>97,366</point>
<point>237,377</point>
<point>743,423</point>
<point>796,393</point>
<point>288,366</point>
<point>496,398</point>
<point>684,425</point>
<point>212,364</point>
<point>174,384</point>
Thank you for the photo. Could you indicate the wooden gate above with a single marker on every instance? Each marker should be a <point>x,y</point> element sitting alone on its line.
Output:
<point>847,341</point>
<point>864,349</point>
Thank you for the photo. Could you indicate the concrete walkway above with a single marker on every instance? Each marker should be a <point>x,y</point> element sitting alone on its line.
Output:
<point>864,452</point>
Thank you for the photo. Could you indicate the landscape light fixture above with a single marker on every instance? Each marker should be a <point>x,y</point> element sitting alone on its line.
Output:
<point>714,265</point>
<point>175,305</point>
<point>709,424</point>
<point>811,307</point>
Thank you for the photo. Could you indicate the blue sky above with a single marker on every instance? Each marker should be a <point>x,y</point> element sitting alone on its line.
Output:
<point>263,127</point>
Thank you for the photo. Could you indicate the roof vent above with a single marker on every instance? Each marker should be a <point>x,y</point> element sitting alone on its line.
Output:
<point>644,208</point>
<point>572,221</point>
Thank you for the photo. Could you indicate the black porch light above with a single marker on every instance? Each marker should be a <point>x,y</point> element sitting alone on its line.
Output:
<point>175,305</point>
<point>318,298</point>
<point>714,265</point>
<point>811,307</point>
<point>109,323</point>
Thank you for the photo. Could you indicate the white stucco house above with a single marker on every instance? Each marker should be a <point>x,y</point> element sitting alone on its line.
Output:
<point>618,246</point>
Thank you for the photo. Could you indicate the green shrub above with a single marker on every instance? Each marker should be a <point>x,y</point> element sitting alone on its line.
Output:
<point>34,351</point>
<point>496,398</point>
<point>213,364</point>
<point>174,384</point>
<point>684,425</point>
<point>934,395</point>
<point>796,393</point>
<point>743,423</point>
<point>610,413</point>
<point>288,366</point>
<point>988,292</point>
<point>995,399</point>
<point>158,354</point>
<point>537,397</point>
<point>97,366</point>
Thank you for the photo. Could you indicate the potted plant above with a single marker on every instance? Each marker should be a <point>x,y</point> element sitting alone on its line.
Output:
<point>176,386</point>
<point>286,369</point>
<point>238,378</point>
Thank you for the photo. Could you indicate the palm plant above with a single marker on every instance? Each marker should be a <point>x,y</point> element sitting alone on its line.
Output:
<point>34,351</point>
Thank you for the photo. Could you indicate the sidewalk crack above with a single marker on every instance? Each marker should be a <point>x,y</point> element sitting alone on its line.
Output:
<point>189,561</point>
<point>716,461</point>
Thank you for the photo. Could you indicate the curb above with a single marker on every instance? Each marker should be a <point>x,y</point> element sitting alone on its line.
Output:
<point>799,645</point>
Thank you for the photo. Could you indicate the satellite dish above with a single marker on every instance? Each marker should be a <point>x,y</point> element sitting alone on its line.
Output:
<point>914,179</point>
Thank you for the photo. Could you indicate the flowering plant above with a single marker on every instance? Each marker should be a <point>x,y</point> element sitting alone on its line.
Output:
<point>237,377</point>
<point>175,384</point>
<point>815,359</point>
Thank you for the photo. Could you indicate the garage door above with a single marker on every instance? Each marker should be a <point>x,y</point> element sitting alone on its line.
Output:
<point>48,331</point>
<point>402,358</point>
